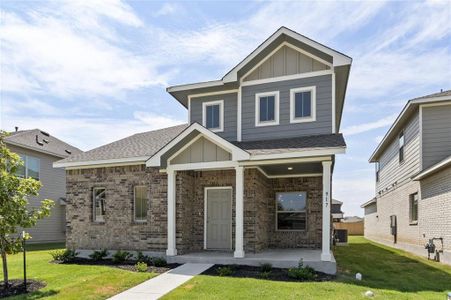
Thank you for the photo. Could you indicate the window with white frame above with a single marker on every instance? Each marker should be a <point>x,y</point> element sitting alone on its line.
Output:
<point>30,168</point>
<point>303,104</point>
<point>413,208</point>
<point>140,203</point>
<point>291,211</point>
<point>213,115</point>
<point>401,146</point>
<point>267,109</point>
<point>98,199</point>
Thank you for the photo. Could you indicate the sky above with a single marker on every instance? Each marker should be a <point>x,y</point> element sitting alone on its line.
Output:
<point>91,72</point>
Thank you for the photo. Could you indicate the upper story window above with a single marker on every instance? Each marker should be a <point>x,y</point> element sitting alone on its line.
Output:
<point>98,199</point>
<point>377,171</point>
<point>401,146</point>
<point>303,104</point>
<point>267,108</point>
<point>30,168</point>
<point>291,211</point>
<point>213,115</point>
<point>413,208</point>
<point>140,203</point>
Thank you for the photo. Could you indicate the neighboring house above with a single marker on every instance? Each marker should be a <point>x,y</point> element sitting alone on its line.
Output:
<point>251,171</point>
<point>413,179</point>
<point>39,150</point>
<point>337,213</point>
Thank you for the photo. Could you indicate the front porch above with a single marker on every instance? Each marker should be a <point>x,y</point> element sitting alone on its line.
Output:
<point>278,258</point>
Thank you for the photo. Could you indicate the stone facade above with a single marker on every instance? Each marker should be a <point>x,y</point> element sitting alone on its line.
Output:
<point>119,231</point>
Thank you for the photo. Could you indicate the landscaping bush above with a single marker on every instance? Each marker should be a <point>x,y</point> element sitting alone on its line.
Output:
<point>121,256</point>
<point>301,272</point>
<point>140,257</point>
<point>64,255</point>
<point>224,271</point>
<point>141,267</point>
<point>159,262</point>
<point>265,275</point>
<point>264,268</point>
<point>99,255</point>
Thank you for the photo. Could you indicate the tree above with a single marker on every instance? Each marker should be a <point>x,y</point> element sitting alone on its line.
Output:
<point>14,210</point>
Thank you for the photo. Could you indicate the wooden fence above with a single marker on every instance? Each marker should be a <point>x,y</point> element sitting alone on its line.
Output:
<point>355,228</point>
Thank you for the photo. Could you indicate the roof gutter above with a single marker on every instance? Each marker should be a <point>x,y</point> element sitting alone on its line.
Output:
<point>101,163</point>
<point>431,170</point>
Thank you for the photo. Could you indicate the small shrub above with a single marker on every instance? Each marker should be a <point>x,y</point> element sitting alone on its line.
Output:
<point>265,275</point>
<point>264,268</point>
<point>65,255</point>
<point>159,262</point>
<point>140,257</point>
<point>141,267</point>
<point>224,271</point>
<point>121,256</point>
<point>301,272</point>
<point>99,255</point>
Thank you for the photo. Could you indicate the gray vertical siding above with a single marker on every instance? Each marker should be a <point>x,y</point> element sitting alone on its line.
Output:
<point>391,170</point>
<point>436,131</point>
<point>230,113</point>
<point>50,229</point>
<point>322,125</point>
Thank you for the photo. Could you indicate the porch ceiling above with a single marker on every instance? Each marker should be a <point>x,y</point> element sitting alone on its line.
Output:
<point>293,169</point>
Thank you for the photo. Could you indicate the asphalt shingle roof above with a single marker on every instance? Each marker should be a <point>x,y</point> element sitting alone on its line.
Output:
<point>143,144</point>
<point>41,141</point>
<point>292,144</point>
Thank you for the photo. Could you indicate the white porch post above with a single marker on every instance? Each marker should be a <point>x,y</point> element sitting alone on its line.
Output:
<point>171,251</point>
<point>325,254</point>
<point>239,213</point>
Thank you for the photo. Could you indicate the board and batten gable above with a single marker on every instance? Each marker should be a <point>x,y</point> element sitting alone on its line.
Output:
<point>52,228</point>
<point>285,129</point>
<point>391,171</point>
<point>436,134</point>
<point>230,113</point>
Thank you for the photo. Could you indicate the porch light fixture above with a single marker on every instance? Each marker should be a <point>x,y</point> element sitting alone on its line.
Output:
<point>290,168</point>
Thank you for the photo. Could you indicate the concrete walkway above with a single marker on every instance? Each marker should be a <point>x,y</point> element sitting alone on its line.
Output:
<point>156,287</point>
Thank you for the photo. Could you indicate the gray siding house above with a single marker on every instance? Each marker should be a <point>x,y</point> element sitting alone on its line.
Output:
<point>39,151</point>
<point>413,179</point>
<point>249,176</point>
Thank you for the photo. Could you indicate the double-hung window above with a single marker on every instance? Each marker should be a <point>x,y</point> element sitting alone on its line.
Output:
<point>30,167</point>
<point>213,115</point>
<point>303,104</point>
<point>377,171</point>
<point>291,210</point>
<point>267,109</point>
<point>401,146</point>
<point>98,199</point>
<point>413,208</point>
<point>140,203</point>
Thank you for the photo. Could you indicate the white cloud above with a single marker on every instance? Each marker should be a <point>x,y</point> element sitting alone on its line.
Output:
<point>167,9</point>
<point>361,128</point>
<point>354,191</point>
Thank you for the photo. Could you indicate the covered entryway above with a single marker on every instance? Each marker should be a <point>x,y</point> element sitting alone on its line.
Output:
<point>218,218</point>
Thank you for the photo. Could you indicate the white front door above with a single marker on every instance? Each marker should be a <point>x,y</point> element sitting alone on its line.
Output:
<point>218,202</point>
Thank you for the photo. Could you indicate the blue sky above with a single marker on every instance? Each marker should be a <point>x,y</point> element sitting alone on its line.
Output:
<point>95,71</point>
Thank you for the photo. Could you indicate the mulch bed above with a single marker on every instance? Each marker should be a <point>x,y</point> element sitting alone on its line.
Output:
<point>128,265</point>
<point>16,287</point>
<point>276,274</point>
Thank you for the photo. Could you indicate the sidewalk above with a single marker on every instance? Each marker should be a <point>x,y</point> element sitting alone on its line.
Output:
<point>158,286</point>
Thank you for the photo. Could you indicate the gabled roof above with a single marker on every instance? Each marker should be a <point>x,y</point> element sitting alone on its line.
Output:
<point>133,149</point>
<point>406,112</point>
<point>41,141</point>
<point>335,201</point>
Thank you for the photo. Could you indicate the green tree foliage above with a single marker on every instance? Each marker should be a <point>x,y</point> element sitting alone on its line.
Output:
<point>14,210</point>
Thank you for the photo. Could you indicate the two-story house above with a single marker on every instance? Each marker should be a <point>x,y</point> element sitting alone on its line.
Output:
<point>413,179</point>
<point>251,171</point>
<point>39,150</point>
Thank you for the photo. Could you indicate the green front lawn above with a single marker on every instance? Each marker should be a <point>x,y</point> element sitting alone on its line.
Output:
<point>389,273</point>
<point>70,281</point>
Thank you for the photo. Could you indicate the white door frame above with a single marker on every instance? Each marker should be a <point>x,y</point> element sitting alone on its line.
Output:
<point>206,212</point>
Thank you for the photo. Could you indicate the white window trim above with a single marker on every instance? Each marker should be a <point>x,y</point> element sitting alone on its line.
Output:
<point>134,204</point>
<point>221,114</point>
<point>276,95</point>
<point>25,165</point>
<point>94,219</point>
<point>297,211</point>
<point>312,118</point>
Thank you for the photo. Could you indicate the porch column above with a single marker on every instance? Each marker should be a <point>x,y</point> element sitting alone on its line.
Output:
<point>239,212</point>
<point>171,251</point>
<point>325,254</point>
